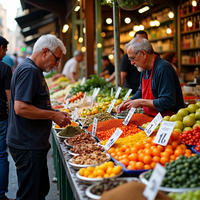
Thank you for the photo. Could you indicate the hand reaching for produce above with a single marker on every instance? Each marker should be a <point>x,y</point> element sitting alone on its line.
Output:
<point>62,119</point>
<point>122,106</point>
<point>133,103</point>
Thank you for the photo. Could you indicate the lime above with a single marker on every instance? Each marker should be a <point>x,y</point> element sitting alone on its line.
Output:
<point>188,120</point>
<point>183,112</point>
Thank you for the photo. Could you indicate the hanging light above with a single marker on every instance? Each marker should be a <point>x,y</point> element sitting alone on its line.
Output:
<point>65,28</point>
<point>136,28</point>
<point>99,45</point>
<point>169,31</point>
<point>171,14</point>
<point>77,8</point>
<point>189,23</point>
<point>103,34</point>
<point>109,21</point>
<point>131,33</point>
<point>152,23</point>
<point>84,30</point>
<point>83,49</point>
<point>80,39</point>
<point>141,27</point>
<point>194,3</point>
<point>127,20</point>
<point>144,9</point>
<point>109,1</point>
<point>157,23</point>
<point>110,56</point>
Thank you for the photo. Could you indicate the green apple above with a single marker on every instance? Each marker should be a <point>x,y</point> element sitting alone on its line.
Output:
<point>197,115</point>
<point>192,114</point>
<point>179,130</point>
<point>166,118</point>
<point>192,108</point>
<point>187,128</point>
<point>197,124</point>
<point>188,120</point>
<point>179,125</point>
<point>198,104</point>
<point>183,112</point>
<point>176,117</point>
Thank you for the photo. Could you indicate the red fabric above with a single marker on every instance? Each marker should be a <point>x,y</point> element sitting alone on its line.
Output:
<point>147,94</point>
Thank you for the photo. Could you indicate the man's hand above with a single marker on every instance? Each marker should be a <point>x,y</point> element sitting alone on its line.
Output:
<point>62,119</point>
<point>122,106</point>
<point>133,103</point>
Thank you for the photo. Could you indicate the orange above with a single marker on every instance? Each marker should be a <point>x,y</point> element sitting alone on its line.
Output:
<point>188,151</point>
<point>139,145</point>
<point>134,150</point>
<point>149,139</point>
<point>133,156</point>
<point>118,150</point>
<point>164,154</point>
<point>178,152</point>
<point>153,164</point>
<point>187,155</point>
<point>147,159</point>
<point>169,146</point>
<point>164,160</point>
<point>172,157</point>
<point>170,151</point>
<point>111,150</point>
<point>140,151</point>
<point>139,165</point>
<point>132,162</point>
<point>147,145</point>
<point>128,151</point>
<point>156,152</point>
<point>160,147</point>
<point>131,167</point>
<point>124,156</point>
<point>175,135</point>
<point>183,146</point>
<point>156,159</point>
<point>119,153</point>
<point>125,161</point>
<point>148,151</point>
<point>174,144</point>
<point>147,166</point>
<point>124,147</point>
<point>141,156</point>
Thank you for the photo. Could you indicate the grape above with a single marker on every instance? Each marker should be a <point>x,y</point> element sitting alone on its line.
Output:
<point>191,195</point>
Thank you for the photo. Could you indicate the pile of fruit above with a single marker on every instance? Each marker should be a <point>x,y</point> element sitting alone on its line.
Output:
<point>77,96</point>
<point>190,195</point>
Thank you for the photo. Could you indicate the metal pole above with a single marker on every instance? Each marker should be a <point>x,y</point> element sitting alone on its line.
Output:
<point>98,35</point>
<point>117,45</point>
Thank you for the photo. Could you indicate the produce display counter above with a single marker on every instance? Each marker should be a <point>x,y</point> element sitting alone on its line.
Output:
<point>69,186</point>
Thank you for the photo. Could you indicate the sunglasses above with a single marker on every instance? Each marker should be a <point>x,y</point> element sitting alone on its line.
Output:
<point>57,58</point>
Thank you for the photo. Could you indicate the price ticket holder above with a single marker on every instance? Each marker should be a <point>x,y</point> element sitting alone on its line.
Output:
<point>129,115</point>
<point>111,106</point>
<point>155,181</point>
<point>127,94</point>
<point>94,128</point>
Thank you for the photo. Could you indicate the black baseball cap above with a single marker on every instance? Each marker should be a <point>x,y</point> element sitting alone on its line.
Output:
<point>3,42</point>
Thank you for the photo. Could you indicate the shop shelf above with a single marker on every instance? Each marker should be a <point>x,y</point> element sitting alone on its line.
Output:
<point>162,38</point>
<point>190,49</point>
<point>190,14</point>
<point>192,31</point>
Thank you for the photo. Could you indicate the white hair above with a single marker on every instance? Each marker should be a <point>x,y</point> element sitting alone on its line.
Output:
<point>49,41</point>
<point>139,44</point>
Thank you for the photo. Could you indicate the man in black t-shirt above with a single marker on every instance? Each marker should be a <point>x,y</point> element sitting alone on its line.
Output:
<point>109,67</point>
<point>31,116</point>
<point>5,79</point>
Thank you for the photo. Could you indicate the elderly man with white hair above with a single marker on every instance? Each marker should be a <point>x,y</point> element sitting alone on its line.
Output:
<point>30,118</point>
<point>159,89</point>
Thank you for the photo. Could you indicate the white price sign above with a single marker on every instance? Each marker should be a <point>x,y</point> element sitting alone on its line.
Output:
<point>113,138</point>
<point>92,101</point>
<point>111,106</point>
<point>155,181</point>
<point>127,94</point>
<point>83,81</point>
<point>94,92</point>
<point>75,114</point>
<point>128,117</point>
<point>67,103</point>
<point>66,95</point>
<point>111,94</point>
<point>84,122</point>
<point>154,123</point>
<point>97,92</point>
<point>164,133</point>
<point>94,128</point>
<point>118,92</point>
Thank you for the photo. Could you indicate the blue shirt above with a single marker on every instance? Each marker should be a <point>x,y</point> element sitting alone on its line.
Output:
<point>28,85</point>
<point>165,87</point>
<point>8,60</point>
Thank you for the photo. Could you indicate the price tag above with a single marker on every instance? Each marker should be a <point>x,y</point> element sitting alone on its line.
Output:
<point>127,94</point>
<point>164,133</point>
<point>67,103</point>
<point>97,92</point>
<point>128,117</point>
<point>75,114</point>
<point>118,92</point>
<point>94,128</point>
<point>92,102</point>
<point>155,181</point>
<point>94,92</point>
<point>113,138</point>
<point>84,122</point>
<point>111,106</point>
<point>83,81</point>
<point>66,95</point>
<point>83,99</point>
<point>111,93</point>
<point>154,123</point>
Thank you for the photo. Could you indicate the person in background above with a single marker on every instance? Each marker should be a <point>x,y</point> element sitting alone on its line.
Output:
<point>5,79</point>
<point>159,89</point>
<point>171,57</point>
<point>31,116</point>
<point>14,58</point>
<point>108,66</point>
<point>72,67</point>
<point>8,60</point>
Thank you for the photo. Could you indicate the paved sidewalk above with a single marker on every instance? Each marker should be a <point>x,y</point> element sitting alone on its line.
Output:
<point>12,188</point>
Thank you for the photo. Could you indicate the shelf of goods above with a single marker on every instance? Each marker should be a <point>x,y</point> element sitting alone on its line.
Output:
<point>190,35</point>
